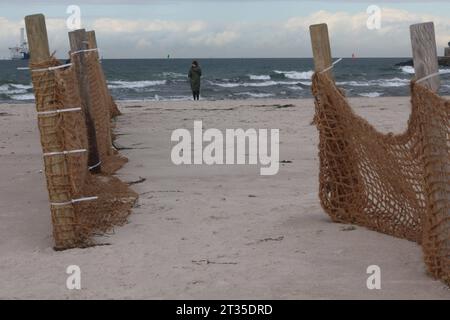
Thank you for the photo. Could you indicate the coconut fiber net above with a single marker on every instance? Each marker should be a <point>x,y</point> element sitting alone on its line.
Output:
<point>82,204</point>
<point>394,184</point>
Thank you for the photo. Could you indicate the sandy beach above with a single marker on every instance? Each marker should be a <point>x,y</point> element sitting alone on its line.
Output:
<point>204,232</point>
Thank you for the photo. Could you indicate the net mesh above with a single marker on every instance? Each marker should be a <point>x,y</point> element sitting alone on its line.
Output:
<point>75,222</point>
<point>394,184</point>
<point>102,107</point>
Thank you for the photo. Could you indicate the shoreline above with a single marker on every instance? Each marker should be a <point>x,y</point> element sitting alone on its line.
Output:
<point>250,101</point>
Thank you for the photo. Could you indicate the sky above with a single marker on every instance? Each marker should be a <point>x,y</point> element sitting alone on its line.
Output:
<point>229,28</point>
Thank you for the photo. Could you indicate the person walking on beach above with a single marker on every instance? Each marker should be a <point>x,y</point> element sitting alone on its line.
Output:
<point>195,74</point>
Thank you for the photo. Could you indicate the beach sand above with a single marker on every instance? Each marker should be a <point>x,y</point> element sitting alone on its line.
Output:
<point>204,232</point>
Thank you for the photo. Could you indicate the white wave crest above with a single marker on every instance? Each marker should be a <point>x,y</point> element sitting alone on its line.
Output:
<point>296,75</point>
<point>13,88</point>
<point>410,70</point>
<point>394,82</point>
<point>371,94</point>
<point>135,84</point>
<point>254,84</point>
<point>174,75</point>
<point>407,69</point>
<point>295,88</point>
<point>27,96</point>
<point>259,77</point>
<point>255,95</point>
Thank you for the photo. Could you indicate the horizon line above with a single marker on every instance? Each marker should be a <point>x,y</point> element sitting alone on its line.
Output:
<point>230,58</point>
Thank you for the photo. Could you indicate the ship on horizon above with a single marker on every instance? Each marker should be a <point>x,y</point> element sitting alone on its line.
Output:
<point>20,52</point>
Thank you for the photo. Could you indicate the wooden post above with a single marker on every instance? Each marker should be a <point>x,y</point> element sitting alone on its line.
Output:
<point>78,41</point>
<point>92,41</point>
<point>113,111</point>
<point>435,151</point>
<point>321,48</point>
<point>425,53</point>
<point>57,174</point>
<point>107,147</point>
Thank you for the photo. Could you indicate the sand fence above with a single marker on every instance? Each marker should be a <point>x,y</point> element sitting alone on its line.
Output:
<point>74,110</point>
<point>394,184</point>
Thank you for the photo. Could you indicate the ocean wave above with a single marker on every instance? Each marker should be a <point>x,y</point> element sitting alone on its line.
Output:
<point>175,98</point>
<point>410,70</point>
<point>174,75</point>
<point>255,95</point>
<point>407,69</point>
<point>259,77</point>
<point>12,88</point>
<point>119,84</point>
<point>296,75</point>
<point>370,94</point>
<point>353,83</point>
<point>21,86</point>
<point>27,96</point>
<point>394,82</point>
<point>255,84</point>
<point>225,85</point>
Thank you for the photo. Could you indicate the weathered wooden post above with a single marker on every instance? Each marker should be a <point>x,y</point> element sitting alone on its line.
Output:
<point>102,125</point>
<point>340,191</point>
<point>435,151</point>
<point>113,110</point>
<point>321,48</point>
<point>92,41</point>
<point>423,41</point>
<point>57,175</point>
<point>78,43</point>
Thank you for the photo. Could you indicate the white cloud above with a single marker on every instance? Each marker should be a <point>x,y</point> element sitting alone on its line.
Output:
<point>218,39</point>
<point>119,38</point>
<point>348,32</point>
<point>108,25</point>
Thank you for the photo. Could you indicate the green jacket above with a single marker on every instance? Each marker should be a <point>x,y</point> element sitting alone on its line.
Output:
<point>194,75</point>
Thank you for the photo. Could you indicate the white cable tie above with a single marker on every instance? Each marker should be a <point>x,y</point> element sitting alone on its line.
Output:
<point>52,68</point>
<point>95,165</point>
<point>84,199</point>
<point>85,50</point>
<point>428,77</point>
<point>64,152</point>
<point>73,201</point>
<point>332,65</point>
<point>58,111</point>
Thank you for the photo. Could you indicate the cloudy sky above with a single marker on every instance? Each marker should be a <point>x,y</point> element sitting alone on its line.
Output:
<point>229,28</point>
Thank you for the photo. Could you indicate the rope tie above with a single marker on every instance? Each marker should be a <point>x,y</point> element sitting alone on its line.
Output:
<point>73,201</point>
<point>40,113</point>
<point>84,50</point>
<point>332,66</point>
<point>64,152</point>
<point>428,77</point>
<point>46,69</point>
<point>95,165</point>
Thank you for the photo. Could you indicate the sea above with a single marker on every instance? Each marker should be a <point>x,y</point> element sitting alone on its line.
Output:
<point>166,79</point>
